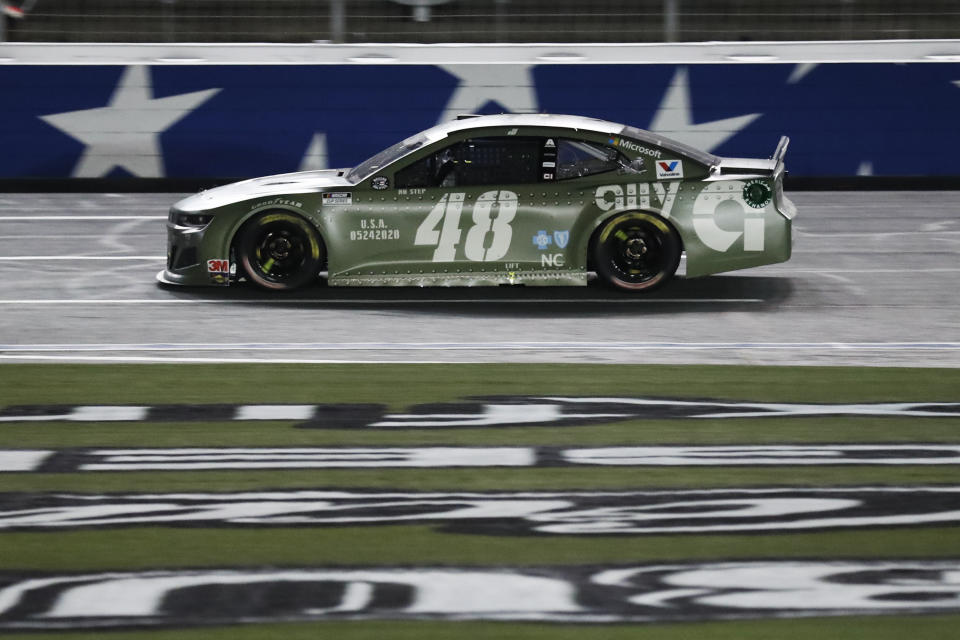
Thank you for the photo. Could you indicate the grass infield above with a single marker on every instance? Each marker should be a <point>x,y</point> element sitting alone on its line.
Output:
<point>874,628</point>
<point>399,387</point>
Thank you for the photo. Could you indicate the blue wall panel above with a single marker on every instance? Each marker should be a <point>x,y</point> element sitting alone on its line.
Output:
<point>235,121</point>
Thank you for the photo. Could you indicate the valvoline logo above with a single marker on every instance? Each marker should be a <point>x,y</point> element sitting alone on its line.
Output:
<point>667,169</point>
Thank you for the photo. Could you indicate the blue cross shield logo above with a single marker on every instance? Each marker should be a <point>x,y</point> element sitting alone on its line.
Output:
<point>542,240</point>
<point>561,238</point>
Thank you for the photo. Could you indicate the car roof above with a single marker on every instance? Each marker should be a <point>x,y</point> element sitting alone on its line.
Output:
<point>523,120</point>
<point>580,123</point>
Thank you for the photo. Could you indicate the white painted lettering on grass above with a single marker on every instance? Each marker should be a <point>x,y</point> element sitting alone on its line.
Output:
<point>603,594</point>
<point>437,591</point>
<point>747,455</point>
<point>108,413</point>
<point>378,458</point>
<point>518,513</point>
<point>22,459</point>
<point>275,412</point>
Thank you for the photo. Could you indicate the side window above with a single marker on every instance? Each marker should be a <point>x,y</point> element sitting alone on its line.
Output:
<point>478,161</point>
<point>577,158</point>
<point>503,160</point>
<point>424,172</point>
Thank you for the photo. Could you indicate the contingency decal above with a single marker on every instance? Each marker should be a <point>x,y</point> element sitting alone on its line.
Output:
<point>502,513</point>
<point>496,411</point>
<point>220,270</point>
<point>218,266</point>
<point>280,201</point>
<point>338,198</point>
<point>678,592</point>
<point>257,458</point>
<point>669,169</point>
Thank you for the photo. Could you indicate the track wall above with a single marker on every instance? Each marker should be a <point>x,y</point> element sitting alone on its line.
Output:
<point>179,114</point>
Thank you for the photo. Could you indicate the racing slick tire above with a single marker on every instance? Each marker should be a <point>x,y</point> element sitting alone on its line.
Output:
<point>280,251</point>
<point>635,251</point>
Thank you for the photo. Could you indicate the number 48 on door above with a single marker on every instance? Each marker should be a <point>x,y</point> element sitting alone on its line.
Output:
<point>441,227</point>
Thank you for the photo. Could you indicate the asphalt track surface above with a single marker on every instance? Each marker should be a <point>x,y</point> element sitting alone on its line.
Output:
<point>873,281</point>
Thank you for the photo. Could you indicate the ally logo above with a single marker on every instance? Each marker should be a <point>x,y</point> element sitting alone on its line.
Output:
<point>667,169</point>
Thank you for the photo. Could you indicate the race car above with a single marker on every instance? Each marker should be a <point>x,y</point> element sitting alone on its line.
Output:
<point>512,199</point>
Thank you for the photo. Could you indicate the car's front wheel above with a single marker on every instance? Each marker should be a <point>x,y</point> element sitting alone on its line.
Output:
<point>636,251</point>
<point>280,251</point>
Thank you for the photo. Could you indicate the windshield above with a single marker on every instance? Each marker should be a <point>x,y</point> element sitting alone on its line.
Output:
<point>385,157</point>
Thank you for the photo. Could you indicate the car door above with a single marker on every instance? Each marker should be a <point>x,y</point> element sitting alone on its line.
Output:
<point>476,193</point>
<point>468,211</point>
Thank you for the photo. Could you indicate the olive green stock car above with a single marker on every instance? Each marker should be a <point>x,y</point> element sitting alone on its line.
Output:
<point>492,200</point>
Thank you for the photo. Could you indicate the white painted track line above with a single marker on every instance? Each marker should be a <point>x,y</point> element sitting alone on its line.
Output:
<point>69,258</point>
<point>454,352</point>
<point>472,346</point>
<point>266,360</point>
<point>72,218</point>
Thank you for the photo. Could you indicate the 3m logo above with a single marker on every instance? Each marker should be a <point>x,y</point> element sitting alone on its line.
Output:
<point>669,169</point>
<point>218,266</point>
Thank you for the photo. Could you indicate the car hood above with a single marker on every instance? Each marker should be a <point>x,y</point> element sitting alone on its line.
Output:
<point>277,185</point>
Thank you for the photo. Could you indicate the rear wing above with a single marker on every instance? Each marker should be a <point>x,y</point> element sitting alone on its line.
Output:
<point>781,150</point>
<point>752,166</point>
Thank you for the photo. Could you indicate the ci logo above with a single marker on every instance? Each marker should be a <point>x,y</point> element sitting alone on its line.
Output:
<point>721,217</point>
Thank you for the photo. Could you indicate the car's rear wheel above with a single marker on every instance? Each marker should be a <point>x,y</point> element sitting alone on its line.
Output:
<point>280,251</point>
<point>636,251</point>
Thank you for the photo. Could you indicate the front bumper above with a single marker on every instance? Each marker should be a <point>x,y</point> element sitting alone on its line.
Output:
<point>187,260</point>
<point>183,279</point>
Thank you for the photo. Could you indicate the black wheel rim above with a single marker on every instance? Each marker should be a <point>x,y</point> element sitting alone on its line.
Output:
<point>635,251</point>
<point>280,251</point>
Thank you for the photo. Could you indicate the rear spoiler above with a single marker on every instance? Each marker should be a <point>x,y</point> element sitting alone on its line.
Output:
<point>781,150</point>
<point>753,166</point>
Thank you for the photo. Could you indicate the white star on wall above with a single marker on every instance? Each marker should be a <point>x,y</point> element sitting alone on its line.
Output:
<point>126,132</point>
<point>512,87</point>
<point>316,155</point>
<point>509,85</point>
<point>801,71</point>
<point>674,119</point>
